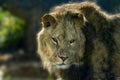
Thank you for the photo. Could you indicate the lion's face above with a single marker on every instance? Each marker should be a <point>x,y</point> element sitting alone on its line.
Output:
<point>61,42</point>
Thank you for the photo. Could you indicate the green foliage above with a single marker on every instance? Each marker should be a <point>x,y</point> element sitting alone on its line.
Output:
<point>7,76</point>
<point>11,29</point>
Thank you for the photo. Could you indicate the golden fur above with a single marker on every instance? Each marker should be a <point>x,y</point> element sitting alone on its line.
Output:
<point>80,40</point>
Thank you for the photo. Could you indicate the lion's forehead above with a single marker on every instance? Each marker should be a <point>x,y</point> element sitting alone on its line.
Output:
<point>65,30</point>
<point>65,34</point>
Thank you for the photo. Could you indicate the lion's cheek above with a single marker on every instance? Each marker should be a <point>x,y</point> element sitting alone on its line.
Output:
<point>77,56</point>
<point>55,59</point>
<point>80,54</point>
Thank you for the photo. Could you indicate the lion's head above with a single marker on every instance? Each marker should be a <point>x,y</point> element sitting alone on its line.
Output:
<point>76,34</point>
<point>61,41</point>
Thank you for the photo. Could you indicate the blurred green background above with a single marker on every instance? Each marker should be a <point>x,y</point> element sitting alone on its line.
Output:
<point>19,24</point>
<point>12,29</point>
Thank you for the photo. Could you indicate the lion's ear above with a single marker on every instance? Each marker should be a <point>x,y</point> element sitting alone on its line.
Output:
<point>77,17</point>
<point>48,21</point>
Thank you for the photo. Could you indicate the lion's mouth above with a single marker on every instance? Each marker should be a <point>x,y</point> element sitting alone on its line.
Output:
<point>62,66</point>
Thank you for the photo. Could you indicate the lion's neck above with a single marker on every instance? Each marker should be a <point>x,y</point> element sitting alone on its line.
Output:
<point>75,73</point>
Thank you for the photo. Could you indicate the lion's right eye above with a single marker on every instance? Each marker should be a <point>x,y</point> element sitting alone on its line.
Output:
<point>71,42</point>
<point>55,41</point>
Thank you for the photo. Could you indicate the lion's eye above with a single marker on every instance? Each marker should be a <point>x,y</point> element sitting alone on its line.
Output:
<point>72,41</point>
<point>55,41</point>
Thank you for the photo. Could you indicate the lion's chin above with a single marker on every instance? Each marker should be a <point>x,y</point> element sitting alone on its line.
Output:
<point>62,66</point>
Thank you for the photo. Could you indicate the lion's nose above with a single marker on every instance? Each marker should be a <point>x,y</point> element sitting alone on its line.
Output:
<point>63,58</point>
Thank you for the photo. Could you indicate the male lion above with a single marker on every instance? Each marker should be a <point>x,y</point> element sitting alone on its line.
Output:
<point>79,41</point>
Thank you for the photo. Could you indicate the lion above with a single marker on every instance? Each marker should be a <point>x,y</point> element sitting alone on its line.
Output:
<point>79,41</point>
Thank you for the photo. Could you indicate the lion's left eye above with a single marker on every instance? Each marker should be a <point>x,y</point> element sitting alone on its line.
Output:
<point>72,41</point>
<point>55,41</point>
